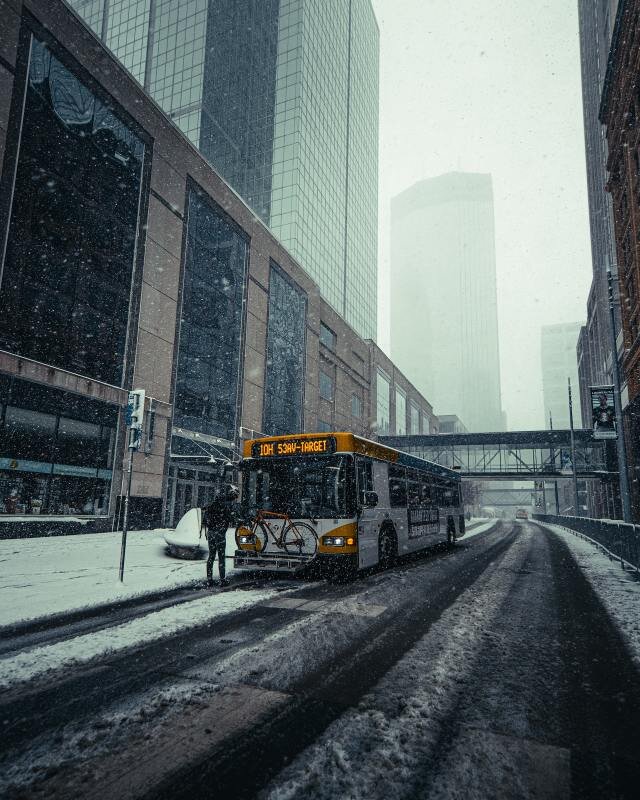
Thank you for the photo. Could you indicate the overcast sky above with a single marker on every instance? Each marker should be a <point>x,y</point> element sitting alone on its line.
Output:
<point>494,86</point>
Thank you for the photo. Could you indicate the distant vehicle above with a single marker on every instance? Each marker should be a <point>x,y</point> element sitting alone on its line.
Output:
<point>342,501</point>
<point>521,514</point>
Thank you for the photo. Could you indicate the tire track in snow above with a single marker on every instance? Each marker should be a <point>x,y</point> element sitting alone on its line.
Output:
<point>375,750</point>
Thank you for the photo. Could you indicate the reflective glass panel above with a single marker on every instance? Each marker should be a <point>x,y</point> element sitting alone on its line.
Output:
<point>66,282</point>
<point>211,322</point>
<point>285,356</point>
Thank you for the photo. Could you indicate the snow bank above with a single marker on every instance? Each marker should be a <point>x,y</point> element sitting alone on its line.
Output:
<point>479,527</point>
<point>158,625</point>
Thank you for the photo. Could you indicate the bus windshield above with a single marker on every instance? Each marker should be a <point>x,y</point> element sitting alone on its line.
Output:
<point>319,487</point>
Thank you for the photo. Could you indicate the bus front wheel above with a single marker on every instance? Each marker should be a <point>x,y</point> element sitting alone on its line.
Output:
<point>387,548</point>
<point>451,532</point>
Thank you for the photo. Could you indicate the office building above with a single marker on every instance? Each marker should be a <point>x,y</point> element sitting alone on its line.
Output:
<point>619,113</point>
<point>443,295</point>
<point>596,22</point>
<point>127,262</point>
<point>595,343</point>
<point>281,96</point>
<point>559,364</point>
<point>450,423</point>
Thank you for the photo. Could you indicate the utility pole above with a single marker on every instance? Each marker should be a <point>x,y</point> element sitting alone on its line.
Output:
<point>621,444</point>
<point>553,458</point>
<point>573,455</point>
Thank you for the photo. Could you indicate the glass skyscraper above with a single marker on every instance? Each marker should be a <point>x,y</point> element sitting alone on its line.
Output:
<point>444,280</point>
<point>282,97</point>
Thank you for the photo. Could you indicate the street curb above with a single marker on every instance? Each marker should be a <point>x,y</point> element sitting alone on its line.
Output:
<point>69,617</point>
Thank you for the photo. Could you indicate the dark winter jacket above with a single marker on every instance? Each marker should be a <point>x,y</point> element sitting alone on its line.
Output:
<point>218,516</point>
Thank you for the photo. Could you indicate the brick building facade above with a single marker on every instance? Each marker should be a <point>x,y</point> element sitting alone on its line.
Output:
<point>620,114</point>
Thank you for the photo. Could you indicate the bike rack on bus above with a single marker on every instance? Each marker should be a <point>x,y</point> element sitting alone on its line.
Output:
<point>271,561</point>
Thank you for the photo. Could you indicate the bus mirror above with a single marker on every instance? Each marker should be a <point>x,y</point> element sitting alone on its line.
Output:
<point>369,499</point>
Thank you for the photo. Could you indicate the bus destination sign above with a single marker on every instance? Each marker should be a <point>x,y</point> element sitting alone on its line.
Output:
<point>313,446</point>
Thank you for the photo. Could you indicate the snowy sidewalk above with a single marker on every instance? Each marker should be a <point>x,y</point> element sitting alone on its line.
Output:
<point>618,589</point>
<point>40,577</point>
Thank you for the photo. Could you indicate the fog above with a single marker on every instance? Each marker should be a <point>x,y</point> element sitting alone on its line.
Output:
<point>494,86</point>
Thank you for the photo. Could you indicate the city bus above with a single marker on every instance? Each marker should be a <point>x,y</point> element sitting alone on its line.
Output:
<point>342,501</point>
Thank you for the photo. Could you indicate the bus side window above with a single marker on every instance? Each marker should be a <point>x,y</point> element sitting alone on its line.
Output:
<point>426,494</point>
<point>364,470</point>
<point>413,493</point>
<point>397,486</point>
<point>449,495</point>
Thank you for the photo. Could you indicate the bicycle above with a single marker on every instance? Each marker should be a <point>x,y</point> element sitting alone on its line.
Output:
<point>295,538</point>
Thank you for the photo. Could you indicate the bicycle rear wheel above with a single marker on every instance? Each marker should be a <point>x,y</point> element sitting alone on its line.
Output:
<point>299,539</point>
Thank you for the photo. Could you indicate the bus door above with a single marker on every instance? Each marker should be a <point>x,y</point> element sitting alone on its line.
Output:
<point>367,514</point>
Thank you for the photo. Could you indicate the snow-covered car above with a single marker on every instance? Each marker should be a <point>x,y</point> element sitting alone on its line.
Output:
<point>521,514</point>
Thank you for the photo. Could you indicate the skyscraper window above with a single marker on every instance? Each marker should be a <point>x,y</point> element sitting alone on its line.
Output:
<point>211,321</point>
<point>281,96</point>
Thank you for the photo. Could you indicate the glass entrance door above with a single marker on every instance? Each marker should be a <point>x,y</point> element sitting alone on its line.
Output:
<point>190,487</point>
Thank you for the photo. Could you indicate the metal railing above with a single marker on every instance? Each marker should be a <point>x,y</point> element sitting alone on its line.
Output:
<point>619,539</point>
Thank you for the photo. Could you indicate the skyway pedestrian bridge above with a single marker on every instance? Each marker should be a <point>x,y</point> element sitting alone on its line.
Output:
<point>513,455</point>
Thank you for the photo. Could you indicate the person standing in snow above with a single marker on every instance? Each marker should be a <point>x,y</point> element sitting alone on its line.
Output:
<point>216,518</point>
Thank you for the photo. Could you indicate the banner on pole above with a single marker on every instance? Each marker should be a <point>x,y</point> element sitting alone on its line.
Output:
<point>603,412</point>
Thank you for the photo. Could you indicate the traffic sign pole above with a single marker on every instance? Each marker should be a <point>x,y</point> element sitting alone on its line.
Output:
<point>125,518</point>
<point>134,419</point>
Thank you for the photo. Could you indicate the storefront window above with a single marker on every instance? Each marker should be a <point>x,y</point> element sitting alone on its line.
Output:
<point>415,418</point>
<point>383,389</point>
<point>401,412</point>
<point>52,461</point>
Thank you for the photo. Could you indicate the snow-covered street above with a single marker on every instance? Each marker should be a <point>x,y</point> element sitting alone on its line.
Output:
<point>459,673</point>
<point>42,577</point>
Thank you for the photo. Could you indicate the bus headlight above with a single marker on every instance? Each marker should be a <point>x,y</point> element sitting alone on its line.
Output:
<point>338,541</point>
<point>244,536</point>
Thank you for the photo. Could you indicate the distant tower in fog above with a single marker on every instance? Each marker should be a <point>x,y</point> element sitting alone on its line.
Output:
<point>444,320</point>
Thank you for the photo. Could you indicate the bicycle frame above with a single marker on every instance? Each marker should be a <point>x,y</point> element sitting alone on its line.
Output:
<point>261,528</point>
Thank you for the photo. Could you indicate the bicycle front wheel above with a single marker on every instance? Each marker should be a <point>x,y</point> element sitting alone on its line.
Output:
<point>255,537</point>
<point>261,536</point>
<point>299,539</point>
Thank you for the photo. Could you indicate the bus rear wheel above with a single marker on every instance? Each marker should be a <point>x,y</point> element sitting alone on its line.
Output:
<point>387,548</point>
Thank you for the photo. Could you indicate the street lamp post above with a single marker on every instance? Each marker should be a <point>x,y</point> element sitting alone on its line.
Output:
<point>621,444</point>
<point>573,455</point>
<point>553,461</point>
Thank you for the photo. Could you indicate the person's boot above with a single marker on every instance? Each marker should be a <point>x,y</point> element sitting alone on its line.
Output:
<point>224,581</point>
